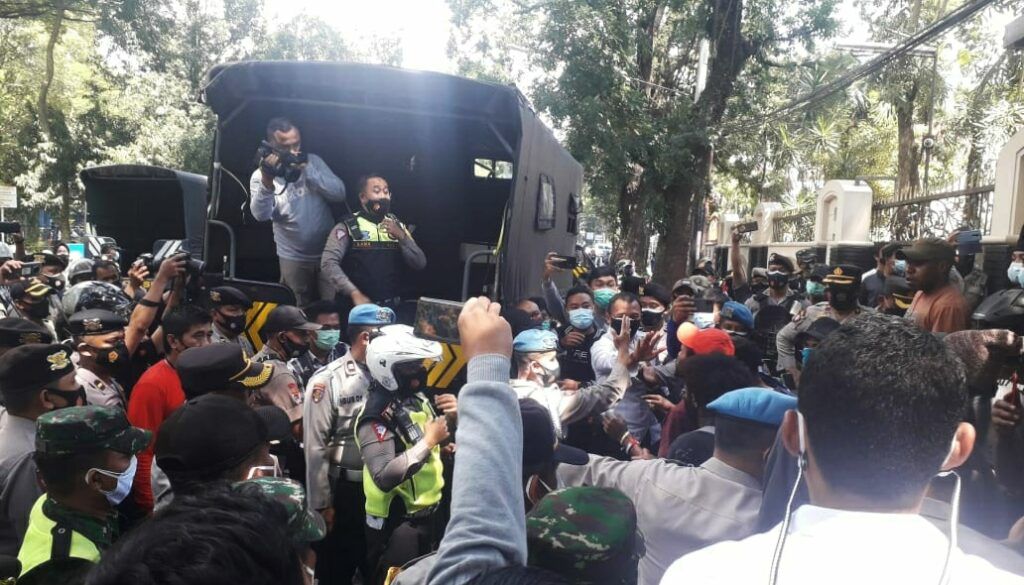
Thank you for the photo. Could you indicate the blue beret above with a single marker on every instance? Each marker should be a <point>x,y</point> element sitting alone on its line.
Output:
<point>738,312</point>
<point>760,405</point>
<point>535,340</point>
<point>370,315</point>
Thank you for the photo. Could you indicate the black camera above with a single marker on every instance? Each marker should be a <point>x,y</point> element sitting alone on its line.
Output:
<point>288,165</point>
<point>10,227</point>
<point>152,263</point>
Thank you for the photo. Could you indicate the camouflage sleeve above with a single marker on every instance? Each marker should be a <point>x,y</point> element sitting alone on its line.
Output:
<point>388,469</point>
<point>595,398</point>
<point>625,476</point>
<point>318,413</point>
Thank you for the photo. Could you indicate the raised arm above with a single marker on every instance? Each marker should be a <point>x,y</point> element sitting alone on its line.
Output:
<point>145,312</point>
<point>739,271</point>
<point>321,179</point>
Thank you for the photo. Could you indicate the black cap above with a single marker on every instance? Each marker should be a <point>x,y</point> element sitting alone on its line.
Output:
<point>807,255</point>
<point>775,258</point>
<point>899,289</point>
<point>821,327</point>
<point>844,274</point>
<point>95,322</point>
<point>228,295</point>
<point>50,259</point>
<point>820,271</point>
<point>30,367</point>
<point>15,332</point>
<point>287,318</point>
<point>279,426</point>
<point>540,445</point>
<point>207,436</point>
<point>890,249</point>
<point>218,367</point>
<point>927,249</point>
<point>33,290</point>
<point>657,291</point>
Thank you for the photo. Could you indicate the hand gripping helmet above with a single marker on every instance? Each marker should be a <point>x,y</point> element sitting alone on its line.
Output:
<point>93,294</point>
<point>394,349</point>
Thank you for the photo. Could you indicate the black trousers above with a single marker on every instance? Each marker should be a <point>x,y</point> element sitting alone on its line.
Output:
<point>343,551</point>
<point>401,540</point>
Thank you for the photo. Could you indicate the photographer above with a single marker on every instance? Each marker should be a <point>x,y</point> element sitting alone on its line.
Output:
<point>293,189</point>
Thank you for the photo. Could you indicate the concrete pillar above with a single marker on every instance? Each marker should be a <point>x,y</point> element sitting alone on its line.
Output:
<point>764,215</point>
<point>1008,205</point>
<point>844,214</point>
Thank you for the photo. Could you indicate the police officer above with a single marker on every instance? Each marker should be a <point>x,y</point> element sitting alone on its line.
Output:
<point>227,307</point>
<point>842,287</point>
<point>780,269</point>
<point>15,332</point>
<point>31,299</point>
<point>86,458</point>
<point>98,337</point>
<point>399,436</point>
<point>287,334</point>
<point>325,347</point>
<point>334,467</point>
<point>34,379</point>
<point>221,368</point>
<point>361,257</point>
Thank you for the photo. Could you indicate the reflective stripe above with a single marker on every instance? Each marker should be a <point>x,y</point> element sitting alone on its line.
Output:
<point>40,546</point>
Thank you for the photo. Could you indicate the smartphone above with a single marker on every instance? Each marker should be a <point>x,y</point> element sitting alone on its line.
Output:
<point>564,261</point>
<point>969,242</point>
<point>30,268</point>
<point>437,320</point>
<point>746,227</point>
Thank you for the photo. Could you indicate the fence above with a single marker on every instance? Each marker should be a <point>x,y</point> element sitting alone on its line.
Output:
<point>932,215</point>
<point>794,225</point>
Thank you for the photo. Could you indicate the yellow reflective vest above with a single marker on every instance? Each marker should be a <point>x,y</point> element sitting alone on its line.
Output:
<point>45,540</point>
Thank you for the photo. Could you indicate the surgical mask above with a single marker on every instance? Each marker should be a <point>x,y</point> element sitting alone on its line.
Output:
<point>1016,273</point>
<point>814,289</point>
<point>652,318</point>
<point>292,349</point>
<point>234,324</point>
<point>40,310</point>
<point>634,326</point>
<point>552,371</point>
<point>805,353</point>
<point>113,356</point>
<point>603,297</point>
<point>124,481</point>
<point>377,209</point>
<point>899,267</point>
<point>326,339</point>
<point>581,318</point>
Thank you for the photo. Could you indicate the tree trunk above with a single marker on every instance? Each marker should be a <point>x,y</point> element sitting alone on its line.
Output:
<point>673,254</point>
<point>908,157</point>
<point>42,104</point>
<point>65,211</point>
<point>633,242</point>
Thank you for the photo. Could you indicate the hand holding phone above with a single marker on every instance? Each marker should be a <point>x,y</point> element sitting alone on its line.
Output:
<point>563,261</point>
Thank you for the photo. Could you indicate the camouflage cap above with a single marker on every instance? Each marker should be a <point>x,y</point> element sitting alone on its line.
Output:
<point>587,532</point>
<point>304,525</point>
<point>84,429</point>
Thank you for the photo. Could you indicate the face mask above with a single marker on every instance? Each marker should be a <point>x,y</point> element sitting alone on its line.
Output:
<point>634,326</point>
<point>292,349</point>
<point>651,318</point>
<point>841,298</point>
<point>740,334</point>
<point>377,209</point>
<point>758,287</point>
<point>234,324</point>
<point>536,489</point>
<point>603,297</point>
<point>1015,272</point>
<point>551,371</point>
<point>804,354</point>
<point>778,279</point>
<point>112,356</point>
<point>326,339</point>
<point>405,382</point>
<point>814,289</point>
<point>899,267</point>
<point>124,481</point>
<point>581,318</point>
<point>40,310</point>
<point>72,397</point>
<point>56,282</point>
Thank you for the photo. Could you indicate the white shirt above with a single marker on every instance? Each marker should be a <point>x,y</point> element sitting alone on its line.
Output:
<point>839,547</point>
<point>603,354</point>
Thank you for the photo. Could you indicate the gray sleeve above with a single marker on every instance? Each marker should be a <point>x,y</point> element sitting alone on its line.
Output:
<point>263,201</point>
<point>20,493</point>
<point>784,344</point>
<point>411,253</point>
<point>625,476</point>
<point>318,424</point>
<point>553,298</point>
<point>322,180</point>
<point>487,530</point>
<point>330,260</point>
<point>387,469</point>
<point>595,398</point>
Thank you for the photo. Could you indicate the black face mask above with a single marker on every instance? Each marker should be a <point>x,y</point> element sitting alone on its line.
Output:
<point>40,310</point>
<point>56,282</point>
<point>292,349</point>
<point>895,311</point>
<point>234,324</point>
<point>778,280</point>
<point>758,287</point>
<point>377,209</point>
<point>70,396</point>
<point>405,381</point>
<point>634,326</point>
<point>842,298</point>
<point>112,357</point>
<point>651,319</point>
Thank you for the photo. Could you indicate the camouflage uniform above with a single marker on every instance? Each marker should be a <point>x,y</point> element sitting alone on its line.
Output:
<point>304,526</point>
<point>62,543</point>
<point>587,534</point>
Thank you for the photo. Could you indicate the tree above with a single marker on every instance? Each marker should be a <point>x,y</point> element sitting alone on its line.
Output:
<point>620,80</point>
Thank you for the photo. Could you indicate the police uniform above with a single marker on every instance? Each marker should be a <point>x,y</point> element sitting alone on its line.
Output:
<point>62,543</point>
<point>283,390</point>
<point>334,466</point>
<point>361,255</point>
<point>23,370</point>
<point>32,291</point>
<point>222,296</point>
<point>97,390</point>
<point>220,367</point>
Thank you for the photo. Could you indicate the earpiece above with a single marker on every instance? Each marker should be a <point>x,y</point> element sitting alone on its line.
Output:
<point>801,426</point>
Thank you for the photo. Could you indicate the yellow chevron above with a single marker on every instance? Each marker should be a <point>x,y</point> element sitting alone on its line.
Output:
<point>453,370</point>
<point>255,318</point>
<point>435,372</point>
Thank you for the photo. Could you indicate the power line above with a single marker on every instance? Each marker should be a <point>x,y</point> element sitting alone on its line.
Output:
<point>818,95</point>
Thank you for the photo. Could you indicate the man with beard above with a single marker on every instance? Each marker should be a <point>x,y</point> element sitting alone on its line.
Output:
<point>364,255</point>
<point>842,287</point>
<point>938,306</point>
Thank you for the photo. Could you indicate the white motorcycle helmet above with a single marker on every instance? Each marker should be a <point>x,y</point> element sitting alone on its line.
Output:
<point>397,348</point>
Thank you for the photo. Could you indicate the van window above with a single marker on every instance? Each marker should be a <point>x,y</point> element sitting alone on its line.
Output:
<point>545,203</point>
<point>488,168</point>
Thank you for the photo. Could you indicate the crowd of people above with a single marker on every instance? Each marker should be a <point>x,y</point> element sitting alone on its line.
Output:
<point>799,423</point>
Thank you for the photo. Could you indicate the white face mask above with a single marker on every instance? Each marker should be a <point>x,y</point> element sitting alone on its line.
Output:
<point>551,370</point>
<point>1016,273</point>
<point>124,481</point>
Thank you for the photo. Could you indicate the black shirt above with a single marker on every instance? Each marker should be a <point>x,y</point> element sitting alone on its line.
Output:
<point>575,361</point>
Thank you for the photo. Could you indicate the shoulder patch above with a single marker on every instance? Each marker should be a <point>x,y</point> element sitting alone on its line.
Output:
<point>318,392</point>
<point>380,430</point>
<point>350,368</point>
<point>296,394</point>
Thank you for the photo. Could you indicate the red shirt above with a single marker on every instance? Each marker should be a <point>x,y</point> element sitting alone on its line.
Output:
<point>155,396</point>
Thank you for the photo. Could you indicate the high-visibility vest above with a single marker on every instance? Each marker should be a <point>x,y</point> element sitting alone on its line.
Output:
<point>46,540</point>
<point>419,492</point>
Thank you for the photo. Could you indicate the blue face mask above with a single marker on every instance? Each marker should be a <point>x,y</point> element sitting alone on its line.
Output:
<point>124,482</point>
<point>805,353</point>
<point>603,297</point>
<point>326,339</point>
<point>814,289</point>
<point>899,267</point>
<point>581,319</point>
<point>1016,273</point>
